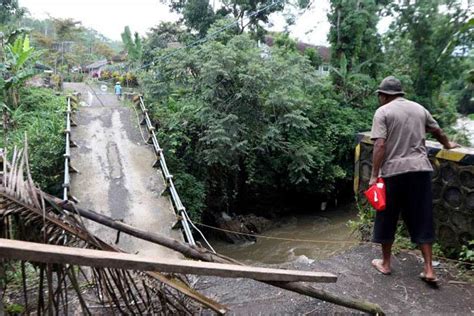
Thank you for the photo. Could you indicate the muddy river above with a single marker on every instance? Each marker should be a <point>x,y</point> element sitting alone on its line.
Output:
<point>304,231</point>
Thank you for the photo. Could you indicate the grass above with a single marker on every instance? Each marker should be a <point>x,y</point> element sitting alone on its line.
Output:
<point>471,116</point>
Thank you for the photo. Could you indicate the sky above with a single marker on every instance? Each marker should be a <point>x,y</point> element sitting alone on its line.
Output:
<point>109,17</point>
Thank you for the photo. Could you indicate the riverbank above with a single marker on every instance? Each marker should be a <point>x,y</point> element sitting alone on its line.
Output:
<point>400,293</point>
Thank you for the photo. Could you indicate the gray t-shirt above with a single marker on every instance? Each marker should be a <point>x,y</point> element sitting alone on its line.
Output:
<point>403,123</point>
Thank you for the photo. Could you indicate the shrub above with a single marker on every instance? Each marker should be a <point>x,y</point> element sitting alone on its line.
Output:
<point>252,129</point>
<point>40,116</point>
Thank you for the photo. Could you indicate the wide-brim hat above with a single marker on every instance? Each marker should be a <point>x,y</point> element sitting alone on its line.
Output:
<point>391,86</point>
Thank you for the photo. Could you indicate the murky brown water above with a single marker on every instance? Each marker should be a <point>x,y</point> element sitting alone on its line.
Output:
<point>327,225</point>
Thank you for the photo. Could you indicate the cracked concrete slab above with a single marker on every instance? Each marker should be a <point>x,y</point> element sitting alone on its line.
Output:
<point>116,177</point>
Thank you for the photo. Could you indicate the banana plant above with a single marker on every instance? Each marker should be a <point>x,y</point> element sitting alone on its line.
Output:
<point>18,57</point>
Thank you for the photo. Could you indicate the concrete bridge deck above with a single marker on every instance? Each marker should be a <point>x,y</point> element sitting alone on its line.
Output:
<point>116,177</point>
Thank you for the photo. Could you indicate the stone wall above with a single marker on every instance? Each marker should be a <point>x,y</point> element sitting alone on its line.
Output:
<point>453,188</point>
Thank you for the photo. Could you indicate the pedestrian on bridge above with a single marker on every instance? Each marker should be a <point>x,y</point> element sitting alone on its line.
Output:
<point>400,157</point>
<point>118,90</point>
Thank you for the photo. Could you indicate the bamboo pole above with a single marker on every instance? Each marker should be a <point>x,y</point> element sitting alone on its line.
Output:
<point>54,254</point>
<point>199,253</point>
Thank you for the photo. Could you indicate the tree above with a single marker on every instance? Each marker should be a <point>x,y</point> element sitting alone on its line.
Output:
<point>246,130</point>
<point>15,68</point>
<point>132,45</point>
<point>353,34</point>
<point>10,11</point>
<point>433,37</point>
<point>199,15</point>
<point>67,29</point>
<point>19,58</point>
<point>160,36</point>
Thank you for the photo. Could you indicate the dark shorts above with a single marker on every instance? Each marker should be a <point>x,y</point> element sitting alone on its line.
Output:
<point>409,194</point>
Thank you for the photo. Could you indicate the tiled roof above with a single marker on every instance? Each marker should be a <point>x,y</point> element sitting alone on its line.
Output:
<point>324,51</point>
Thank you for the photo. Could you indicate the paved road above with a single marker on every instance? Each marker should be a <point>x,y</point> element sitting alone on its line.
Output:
<point>116,176</point>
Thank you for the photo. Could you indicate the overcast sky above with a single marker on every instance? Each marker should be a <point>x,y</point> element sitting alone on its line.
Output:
<point>109,17</point>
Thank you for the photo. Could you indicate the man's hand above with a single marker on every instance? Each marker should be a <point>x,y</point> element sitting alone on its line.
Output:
<point>442,138</point>
<point>373,180</point>
<point>452,145</point>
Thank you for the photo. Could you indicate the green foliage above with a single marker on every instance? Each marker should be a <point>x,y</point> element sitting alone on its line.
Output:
<point>221,31</point>
<point>133,45</point>
<point>17,68</point>
<point>284,40</point>
<point>467,252</point>
<point>14,309</point>
<point>314,57</point>
<point>160,37</point>
<point>67,29</point>
<point>40,116</point>
<point>364,223</point>
<point>353,34</point>
<point>199,16</point>
<point>10,11</point>
<point>428,32</point>
<point>231,120</point>
<point>68,43</point>
<point>462,88</point>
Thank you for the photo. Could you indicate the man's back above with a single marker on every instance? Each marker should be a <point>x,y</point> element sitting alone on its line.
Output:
<point>402,123</point>
<point>399,131</point>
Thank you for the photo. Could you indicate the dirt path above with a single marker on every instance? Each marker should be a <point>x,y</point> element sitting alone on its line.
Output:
<point>402,293</point>
<point>116,177</point>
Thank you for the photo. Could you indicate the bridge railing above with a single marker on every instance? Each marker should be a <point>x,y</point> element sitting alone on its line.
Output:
<point>161,161</point>
<point>67,151</point>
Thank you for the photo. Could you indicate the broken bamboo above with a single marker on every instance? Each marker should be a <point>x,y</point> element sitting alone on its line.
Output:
<point>45,253</point>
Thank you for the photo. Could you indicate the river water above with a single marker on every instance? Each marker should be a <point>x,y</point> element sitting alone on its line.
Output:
<point>467,125</point>
<point>326,226</point>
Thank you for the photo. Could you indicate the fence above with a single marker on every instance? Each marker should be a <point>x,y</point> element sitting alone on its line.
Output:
<point>161,161</point>
<point>67,151</point>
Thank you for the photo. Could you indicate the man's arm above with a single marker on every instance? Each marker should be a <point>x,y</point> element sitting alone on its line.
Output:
<point>441,137</point>
<point>377,159</point>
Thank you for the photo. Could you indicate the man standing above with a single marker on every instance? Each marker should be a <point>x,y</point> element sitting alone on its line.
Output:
<point>399,130</point>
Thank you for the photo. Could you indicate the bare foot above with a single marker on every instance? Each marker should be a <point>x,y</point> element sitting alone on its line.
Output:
<point>378,265</point>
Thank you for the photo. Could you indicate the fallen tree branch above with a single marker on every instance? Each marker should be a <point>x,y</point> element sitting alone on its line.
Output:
<point>199,253</point>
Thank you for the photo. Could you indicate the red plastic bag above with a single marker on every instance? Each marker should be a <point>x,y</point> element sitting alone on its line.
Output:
<point>376,195</point>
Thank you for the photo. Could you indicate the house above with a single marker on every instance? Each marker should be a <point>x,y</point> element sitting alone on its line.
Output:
<point>323,51</point>
<point>120,57</point>
<point>96,68</point>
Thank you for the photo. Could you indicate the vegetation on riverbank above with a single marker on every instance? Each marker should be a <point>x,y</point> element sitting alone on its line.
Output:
<point>39,117</point>
<point>253,129</point>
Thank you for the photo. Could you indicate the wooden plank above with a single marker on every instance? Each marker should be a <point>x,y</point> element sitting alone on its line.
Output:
<point>21,250</point>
